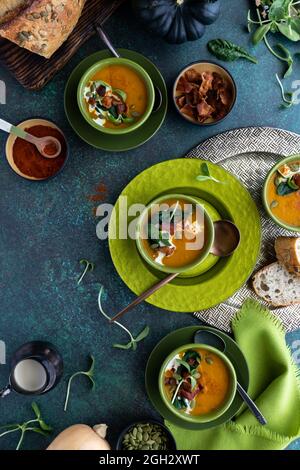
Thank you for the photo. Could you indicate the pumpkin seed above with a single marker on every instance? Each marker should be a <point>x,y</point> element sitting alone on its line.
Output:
<point>209,360</point>
<point>145,436</point>
<point>132,441</point>
<point>274,204</point>
<point>134,432</point>
<point>140,436</point>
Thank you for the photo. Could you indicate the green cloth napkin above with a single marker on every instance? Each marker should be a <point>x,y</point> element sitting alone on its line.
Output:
<point>274,384</point>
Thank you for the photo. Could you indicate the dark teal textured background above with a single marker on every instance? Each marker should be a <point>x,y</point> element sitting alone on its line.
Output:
<point>47,227</point>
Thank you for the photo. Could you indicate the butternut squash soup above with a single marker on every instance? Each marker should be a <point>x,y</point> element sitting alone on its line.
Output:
<point>283,193</point>
<point>197,382</point>
<point>116,96</point>
<point>174,234</point>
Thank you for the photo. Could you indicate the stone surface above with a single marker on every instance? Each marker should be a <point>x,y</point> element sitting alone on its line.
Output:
<point>47,227</point>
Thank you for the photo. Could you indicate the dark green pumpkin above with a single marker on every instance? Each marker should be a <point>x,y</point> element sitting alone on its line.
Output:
<point>177,20</point>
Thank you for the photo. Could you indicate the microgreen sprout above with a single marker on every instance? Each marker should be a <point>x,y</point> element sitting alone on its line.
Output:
<point>88,267</point>
<point>133,341</point>
<point>89,374</point>
<point>36,425</point>
<point>205,174</point>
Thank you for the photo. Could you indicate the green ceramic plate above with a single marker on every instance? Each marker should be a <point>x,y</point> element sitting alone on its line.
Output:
<point>105,141</point>
<point>230,199</point>
<point>179,338</point>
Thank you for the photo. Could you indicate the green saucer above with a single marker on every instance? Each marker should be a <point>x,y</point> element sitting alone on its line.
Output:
<point>198,291</point>
<point>108,142</point>
<point>179,338</point>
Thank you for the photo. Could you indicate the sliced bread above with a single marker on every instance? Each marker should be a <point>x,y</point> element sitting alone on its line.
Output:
<point>288,253</point>
<point>277,286</point>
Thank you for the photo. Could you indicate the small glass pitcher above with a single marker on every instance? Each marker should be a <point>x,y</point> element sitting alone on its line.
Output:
<point>36,368</point>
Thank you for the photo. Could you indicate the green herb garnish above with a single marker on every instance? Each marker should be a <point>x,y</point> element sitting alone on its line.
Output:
<point>88,267</point>
<point>133,341</point>
<point>89,374</point>
<point>181,375</point>
<point>228,51</point>
<point>37,425</point>
<point>287,96</point>
<point>205,174</point>
<point>277,16</point>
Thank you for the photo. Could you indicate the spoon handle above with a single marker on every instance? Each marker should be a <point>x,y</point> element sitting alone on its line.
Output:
<point>7,127</point>
<point>251,405</point>
<point>103,36</point>
<point>145,295</point>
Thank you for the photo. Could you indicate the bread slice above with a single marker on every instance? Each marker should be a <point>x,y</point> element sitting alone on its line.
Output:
<point>44,26</point>
<point>288,253</point>
<point>9,9</point>
<point>277,286</point>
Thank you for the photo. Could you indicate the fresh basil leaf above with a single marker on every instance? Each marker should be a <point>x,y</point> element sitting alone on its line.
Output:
<point>143,334</point>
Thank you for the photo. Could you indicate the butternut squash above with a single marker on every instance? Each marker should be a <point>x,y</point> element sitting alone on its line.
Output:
<point>81,437</point>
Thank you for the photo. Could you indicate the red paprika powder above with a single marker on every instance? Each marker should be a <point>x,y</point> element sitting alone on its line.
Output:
<point>29,160</point>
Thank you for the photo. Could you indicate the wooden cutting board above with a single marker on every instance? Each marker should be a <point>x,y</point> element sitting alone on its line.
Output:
<point>34,71</point>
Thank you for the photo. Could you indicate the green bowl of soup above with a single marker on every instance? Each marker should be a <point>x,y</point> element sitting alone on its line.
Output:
<point>116,96</point>
<point>174,233</point>
<point>281,193</point>
<point>197,383</point>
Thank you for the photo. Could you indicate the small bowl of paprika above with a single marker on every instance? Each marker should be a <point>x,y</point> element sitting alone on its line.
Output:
<point>25,159</point>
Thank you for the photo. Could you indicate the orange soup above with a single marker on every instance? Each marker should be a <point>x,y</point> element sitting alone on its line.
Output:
<point>174,233</point>
<point>116,96</point>
<point>197,382</point>
<point>283,193</point>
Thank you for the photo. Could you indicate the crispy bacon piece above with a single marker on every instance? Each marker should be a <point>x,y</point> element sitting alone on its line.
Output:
<point>122,108</point>
<point>188,110</point>
<point>204,111</point>
<point>107,101</point>
<point>168,250</point>
<point>193,76</point>
<point>190,395</point>
<point>206,84</point>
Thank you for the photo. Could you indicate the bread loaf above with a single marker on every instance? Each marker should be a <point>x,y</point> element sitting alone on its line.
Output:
<point>44,25</point>
<point>277,286</point>
<point>9,9</point>
<point>288,253</point>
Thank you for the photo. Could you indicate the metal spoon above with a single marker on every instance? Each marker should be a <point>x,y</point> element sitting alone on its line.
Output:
<point>213,339</point>
<point>106,40</point>
<point>41,143</point>
<point>227,239</point>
